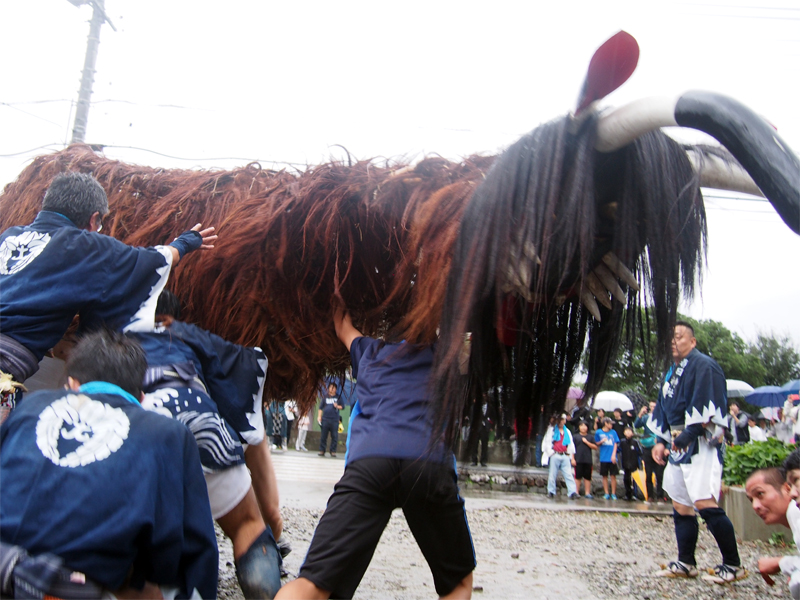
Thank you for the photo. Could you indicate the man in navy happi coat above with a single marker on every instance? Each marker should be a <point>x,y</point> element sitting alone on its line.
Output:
<point>113,490</point>
<point>690,416</point>
<point>59,266</point>
<point>214,387</point>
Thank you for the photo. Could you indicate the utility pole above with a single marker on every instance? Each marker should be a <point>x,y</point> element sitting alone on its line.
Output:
<point>87,79</point>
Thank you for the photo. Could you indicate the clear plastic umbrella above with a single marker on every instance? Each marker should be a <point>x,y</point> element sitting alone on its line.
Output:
<point>738,389</point>
<point>610,400</point>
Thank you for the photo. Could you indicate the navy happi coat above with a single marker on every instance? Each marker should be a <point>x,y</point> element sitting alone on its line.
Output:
<point>694,392</point>
<point>110,488</point>
<point>233,375</point>
<point>51,270</point>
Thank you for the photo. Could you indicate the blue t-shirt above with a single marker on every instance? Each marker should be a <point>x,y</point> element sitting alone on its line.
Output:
<point>393,400</point>
<point>50,271</point>
<point>606,440</point>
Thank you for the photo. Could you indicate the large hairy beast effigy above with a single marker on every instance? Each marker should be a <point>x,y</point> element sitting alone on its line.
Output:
<point>517,264</point>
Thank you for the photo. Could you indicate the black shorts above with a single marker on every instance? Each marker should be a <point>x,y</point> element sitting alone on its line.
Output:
<point>583,471</point>
<point>608,469</point>
<point>360,507</point>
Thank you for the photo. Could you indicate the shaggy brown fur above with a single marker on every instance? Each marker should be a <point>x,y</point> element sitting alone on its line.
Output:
<point>378,237</point>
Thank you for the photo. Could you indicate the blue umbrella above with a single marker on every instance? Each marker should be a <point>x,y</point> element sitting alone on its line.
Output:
<point>766,395</point>
<point>793,387</point>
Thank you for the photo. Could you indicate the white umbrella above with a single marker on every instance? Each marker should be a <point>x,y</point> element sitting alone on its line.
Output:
<point>738,389</point>
<point>611,400</point>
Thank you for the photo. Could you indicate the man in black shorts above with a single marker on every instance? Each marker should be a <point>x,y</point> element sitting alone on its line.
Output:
<point>389,464</point>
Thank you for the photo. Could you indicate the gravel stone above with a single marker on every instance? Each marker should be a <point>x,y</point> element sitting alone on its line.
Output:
<point>525,553</point>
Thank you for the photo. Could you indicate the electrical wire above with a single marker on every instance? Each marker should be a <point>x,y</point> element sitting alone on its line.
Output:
<point>31,114</point>
<point>58,145</point>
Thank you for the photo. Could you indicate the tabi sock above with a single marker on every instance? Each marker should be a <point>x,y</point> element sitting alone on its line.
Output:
<point>686,530</point>
<point>721,528</point>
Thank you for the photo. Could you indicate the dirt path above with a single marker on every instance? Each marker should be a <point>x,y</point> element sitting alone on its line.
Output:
<point>533,553</point>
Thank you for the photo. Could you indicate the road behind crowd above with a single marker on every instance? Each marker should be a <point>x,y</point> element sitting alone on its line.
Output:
<point>527,546</point>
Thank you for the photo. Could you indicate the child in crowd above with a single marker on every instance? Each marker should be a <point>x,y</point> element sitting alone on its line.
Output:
<point>619,423</point>
<point>583,459</point>
<point>631,455</point>
<point>757,433</point>
<point>608,441</point>
<point>598,419</point>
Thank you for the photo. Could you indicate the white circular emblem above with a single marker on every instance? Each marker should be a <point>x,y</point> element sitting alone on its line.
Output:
<point>98,428</point>
<point>156,400</point>
<point>18,251</point>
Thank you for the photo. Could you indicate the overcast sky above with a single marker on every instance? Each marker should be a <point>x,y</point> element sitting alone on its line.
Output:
<point>202,84</point>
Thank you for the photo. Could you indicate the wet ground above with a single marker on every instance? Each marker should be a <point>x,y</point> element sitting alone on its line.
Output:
<point>527,546</point>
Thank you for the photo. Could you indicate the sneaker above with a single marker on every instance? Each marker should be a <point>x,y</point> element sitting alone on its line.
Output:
<point>613,496</point>
<point>589,497</point>
<point>725,574</point>
<point>549,495</point>
<point>473,464</point>
<point>483,464</point>
<point>677,569</point>
<point>320,454</point>
<point>574,496</point>
<point>607,497</point>
<point>333,454</point>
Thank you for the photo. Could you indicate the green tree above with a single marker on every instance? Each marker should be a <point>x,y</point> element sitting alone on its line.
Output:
<point>637,369</point>
<point>778,356</point>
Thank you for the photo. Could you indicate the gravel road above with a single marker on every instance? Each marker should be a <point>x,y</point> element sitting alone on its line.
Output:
<point>532,553</point>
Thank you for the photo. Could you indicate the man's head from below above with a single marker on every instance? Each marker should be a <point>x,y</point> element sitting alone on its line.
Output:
<point>769,494</point>
<point>79,197</point>
<point>683,340</point>
<point>332,388</point>
<point>791,466</point>
<point>108,356</point>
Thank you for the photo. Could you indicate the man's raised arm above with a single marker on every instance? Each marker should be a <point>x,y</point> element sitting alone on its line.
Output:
<point>345,330</point>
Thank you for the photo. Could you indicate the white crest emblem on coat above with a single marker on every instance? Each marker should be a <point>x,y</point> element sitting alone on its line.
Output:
<point>18,251</point>
<point>99,428</point>
<point>157,400</point>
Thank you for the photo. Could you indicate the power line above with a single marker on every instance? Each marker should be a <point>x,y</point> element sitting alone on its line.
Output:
<point>32,115</point>
<point>59,145</point>
<point>239,158</point>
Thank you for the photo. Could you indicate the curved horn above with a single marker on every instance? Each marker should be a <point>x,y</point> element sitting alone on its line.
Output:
<point>722,174</point>
<point>769,161</point>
